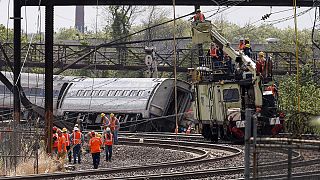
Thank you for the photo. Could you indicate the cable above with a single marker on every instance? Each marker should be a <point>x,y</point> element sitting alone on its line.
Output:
<point>297,53</point>
<point>8,18</point>
<point>29,46</point>
<point>26,19</point>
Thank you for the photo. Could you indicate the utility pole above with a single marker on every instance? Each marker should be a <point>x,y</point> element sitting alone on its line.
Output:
<point>49,74</point>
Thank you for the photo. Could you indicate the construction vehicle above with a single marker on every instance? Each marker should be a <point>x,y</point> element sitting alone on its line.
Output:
<point>222,93</point>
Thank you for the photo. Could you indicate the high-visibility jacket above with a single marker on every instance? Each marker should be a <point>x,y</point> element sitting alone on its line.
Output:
<point>198,17</point>
<point>273,89</point>
<point>214,52</point>
<point>260,67</point>
<point>113,123</point>
<point>108,139</point>
<point>241,46</point>
<point>105,121</point>
<point>62,142</point>
<point>55,142</point>
<point>95,144</point>
<point>67,136</point>
<point>76,137</point>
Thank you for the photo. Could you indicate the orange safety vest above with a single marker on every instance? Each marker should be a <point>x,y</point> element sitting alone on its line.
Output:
<point>67,136</point>
<point>108,139</point>
<point>241,46</point>
<point>272,89</point>
<point>198,17</point>
<point>62,141</point>
<point>77,137</point>
<point>113,121</point>
<point>95,144</point>
<point>213,52</point>
<point>260,68</point>
<point>55,143</point>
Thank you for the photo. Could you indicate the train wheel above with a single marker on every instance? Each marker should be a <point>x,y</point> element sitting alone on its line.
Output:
<point>225,134</point>
<point>206,131</point>
<point>215,133</point>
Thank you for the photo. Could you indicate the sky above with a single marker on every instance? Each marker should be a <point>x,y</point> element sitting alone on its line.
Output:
<point>64,16</point>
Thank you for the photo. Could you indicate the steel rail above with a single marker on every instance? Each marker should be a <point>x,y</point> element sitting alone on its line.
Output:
<point>214,172</point>
<point>104,171</point>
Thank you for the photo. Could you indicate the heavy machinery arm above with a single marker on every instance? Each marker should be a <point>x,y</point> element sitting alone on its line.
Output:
<point>251,65</point>
<point>206,31</point>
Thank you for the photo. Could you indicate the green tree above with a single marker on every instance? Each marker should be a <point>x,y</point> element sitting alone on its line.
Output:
<point>309,92</point>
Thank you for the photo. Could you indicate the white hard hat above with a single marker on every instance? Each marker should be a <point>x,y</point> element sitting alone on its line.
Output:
<point>76,125</point>
<point>76,129</point>
<point>108,129</point>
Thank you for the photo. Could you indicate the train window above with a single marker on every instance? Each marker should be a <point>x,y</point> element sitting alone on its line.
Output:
<point>26,91</point>
<point>2,89</point>
<point>231,95</point>
<point>110,92</point>
<point>126,93</point>
<point>95,93</point>
<point>101,92</point>
<point>118,93</point>
<point>56,93</point>
<point>87,93</point>
<point>35,91</point>
<point>80,93</point>
<point>133,93</point>
<point>140,92</point>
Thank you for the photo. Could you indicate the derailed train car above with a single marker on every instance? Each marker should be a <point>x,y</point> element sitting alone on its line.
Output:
<point>143,104</point>
<point>34,89</point>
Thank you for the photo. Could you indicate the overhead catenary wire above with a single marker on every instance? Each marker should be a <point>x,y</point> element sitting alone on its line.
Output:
<point>29,44</point>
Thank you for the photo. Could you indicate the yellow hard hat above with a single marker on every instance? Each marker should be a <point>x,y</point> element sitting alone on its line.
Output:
<point>99,135</point>
<point>111,115</point>
<point>261,53</point>
<point>247,39</point>
<point>64,130</point>
<point>102,114</point>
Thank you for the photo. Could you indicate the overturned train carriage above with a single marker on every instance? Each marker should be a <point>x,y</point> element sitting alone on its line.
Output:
<point>34,89</point>
<point>141,104</point>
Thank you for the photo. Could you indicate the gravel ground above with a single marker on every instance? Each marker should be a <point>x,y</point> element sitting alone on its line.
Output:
<point>134,155</point>
<point>213,165</point>
<point>124,155</point>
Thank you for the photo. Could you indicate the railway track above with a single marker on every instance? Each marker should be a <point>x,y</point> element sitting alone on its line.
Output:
<point>190,144</point>
<point>182,146</point>
<point>225,171</point>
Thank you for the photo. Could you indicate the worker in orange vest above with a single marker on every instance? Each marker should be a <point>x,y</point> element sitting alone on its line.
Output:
<point>104,120</point>
<point>77,140</point>
<point>108,142</point>
<point>62,147</point>
<point>94,145</point>
<point>198,17</point>
<point>241,45</point>
<point>114,126</point>
<point>214,54</point>
<point>261,64</point>
<point>68,143</point>
<point>54,140</point>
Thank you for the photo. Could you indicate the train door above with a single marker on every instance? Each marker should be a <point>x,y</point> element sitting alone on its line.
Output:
<point>219,105</point>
